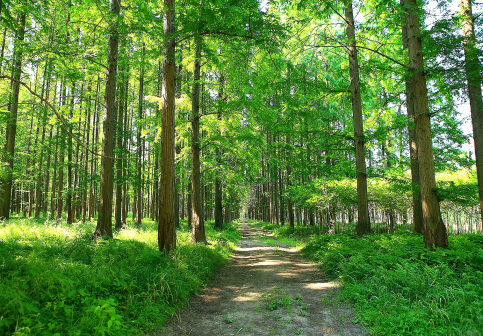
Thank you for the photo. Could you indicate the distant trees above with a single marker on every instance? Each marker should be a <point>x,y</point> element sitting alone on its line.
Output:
<point>219,116</point>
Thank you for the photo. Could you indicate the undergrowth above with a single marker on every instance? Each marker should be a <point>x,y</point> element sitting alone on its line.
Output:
<point>55,280</point>
<point>398,286</point>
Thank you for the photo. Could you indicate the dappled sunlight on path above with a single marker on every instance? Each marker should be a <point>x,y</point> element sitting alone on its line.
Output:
<point>266,289</point>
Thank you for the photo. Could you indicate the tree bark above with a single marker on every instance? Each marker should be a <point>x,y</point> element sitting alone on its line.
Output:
<point>434,229</point>
<point>218,184</point>
<point>123,77</point>
<point>70,187</point>
<point>6,182</point>
<point>139,143</point>
<point>60,166</point>
<point>363,223</point>
<point>104,220</point>
<point>166,230</point>
<point>473,77</point>
<point>198,229</point>
<point>38,189</point>
<point>413,146</point>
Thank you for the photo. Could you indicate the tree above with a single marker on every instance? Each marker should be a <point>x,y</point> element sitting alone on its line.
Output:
<point>198,230</point>
<point>6,182</point>
<point>363,223</point>
<point>166,225</point>
<point>435,234</point>
<point>104,220</point>
<point>413,145</point>
<point>218,182</point>
<point>472,67</point>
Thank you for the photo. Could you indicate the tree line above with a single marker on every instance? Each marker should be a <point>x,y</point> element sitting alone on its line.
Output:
<point>213,108</point>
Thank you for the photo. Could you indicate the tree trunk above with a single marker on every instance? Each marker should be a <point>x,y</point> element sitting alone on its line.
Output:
<point>104,220</point>
<point>363,223</point>
<point>472,67</point>
<point>70,187</point>
<point>60,166</point>
<point>166,230</point>
<point>434,229</point>
<point>198,232</point>
<point>190,205</point>
<point>38,189</point>
<point>123,76</point>
<point>6,182</point>
<point>413,146</point>
<point>218,184</point>
<point>139,143</point>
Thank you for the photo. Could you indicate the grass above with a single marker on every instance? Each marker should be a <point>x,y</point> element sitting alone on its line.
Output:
<point>54,280</point>
<point>399,287</point>
<point>291,237</point>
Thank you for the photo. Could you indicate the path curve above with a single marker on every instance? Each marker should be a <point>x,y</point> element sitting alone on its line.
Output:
<point>266,289</point>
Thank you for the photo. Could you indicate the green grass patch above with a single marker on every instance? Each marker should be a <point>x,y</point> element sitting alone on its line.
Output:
<point>297,237</point>
<point>398,286</point>
<point>54,280</point>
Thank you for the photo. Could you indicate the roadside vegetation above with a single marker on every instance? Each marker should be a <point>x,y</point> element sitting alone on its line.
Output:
<point>398,286</point>
<point>56,280</point>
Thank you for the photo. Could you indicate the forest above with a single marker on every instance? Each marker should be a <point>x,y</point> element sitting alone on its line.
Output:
<point>130,130</point>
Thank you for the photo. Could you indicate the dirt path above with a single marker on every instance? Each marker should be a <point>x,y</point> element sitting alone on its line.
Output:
<point>266,289</point>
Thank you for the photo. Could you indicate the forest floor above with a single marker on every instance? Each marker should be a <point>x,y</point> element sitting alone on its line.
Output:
<point>267,288</point>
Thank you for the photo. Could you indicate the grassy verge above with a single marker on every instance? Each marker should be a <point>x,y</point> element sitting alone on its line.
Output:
<point>398,286</point>
<point>54,280</point>
<point>297,237</point>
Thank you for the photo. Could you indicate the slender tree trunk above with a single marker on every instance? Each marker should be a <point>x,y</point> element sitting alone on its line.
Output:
<point>198,232</point>
<point>125,147</point>
<point>413,146</point>
<point>166,230</point>
<point>38,189</point>
<point>70,187</point>
<point>47,172</point>
<point>218,184</point>
<point>60,165</point>
<point>123,96</point>
<point>139,143</point>
<point>190,206</point>
<point>472,67</point>
<point>434,229</point>
<point>282,207</point>
<point>104,220</point>
<point>86,163</point>
<point>54,178</point>
<point>363,223</point>
<point>6,181</point>
<point>291,219</point>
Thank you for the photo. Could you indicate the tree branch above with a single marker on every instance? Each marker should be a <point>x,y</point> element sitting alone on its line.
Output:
<point>64,123</point>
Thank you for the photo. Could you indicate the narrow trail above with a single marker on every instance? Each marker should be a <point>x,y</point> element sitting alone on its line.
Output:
<point>266,289</point>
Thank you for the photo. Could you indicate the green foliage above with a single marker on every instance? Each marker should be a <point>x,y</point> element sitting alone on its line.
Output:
<point>55,280</point>
<point>401,288</point>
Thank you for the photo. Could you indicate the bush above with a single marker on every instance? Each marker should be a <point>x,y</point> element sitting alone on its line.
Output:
<point>54,280</point>
<point>401,288</point>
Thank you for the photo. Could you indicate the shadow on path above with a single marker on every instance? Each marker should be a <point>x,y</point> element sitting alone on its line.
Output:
<point>266,289</point>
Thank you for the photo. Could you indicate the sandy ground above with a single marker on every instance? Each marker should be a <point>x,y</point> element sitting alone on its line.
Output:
<point>266,289</point>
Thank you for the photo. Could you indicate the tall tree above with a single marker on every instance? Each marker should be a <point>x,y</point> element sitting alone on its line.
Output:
<point>6,182</point>
<point>139,142</point>
<point>166,225</point>
<point>473,77</point>
<point>413,145</point>
<point>198,225</point>
<point>104,220</point>
<point>434,229</point>
<point>363,223</point>
<point>218,184</point>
